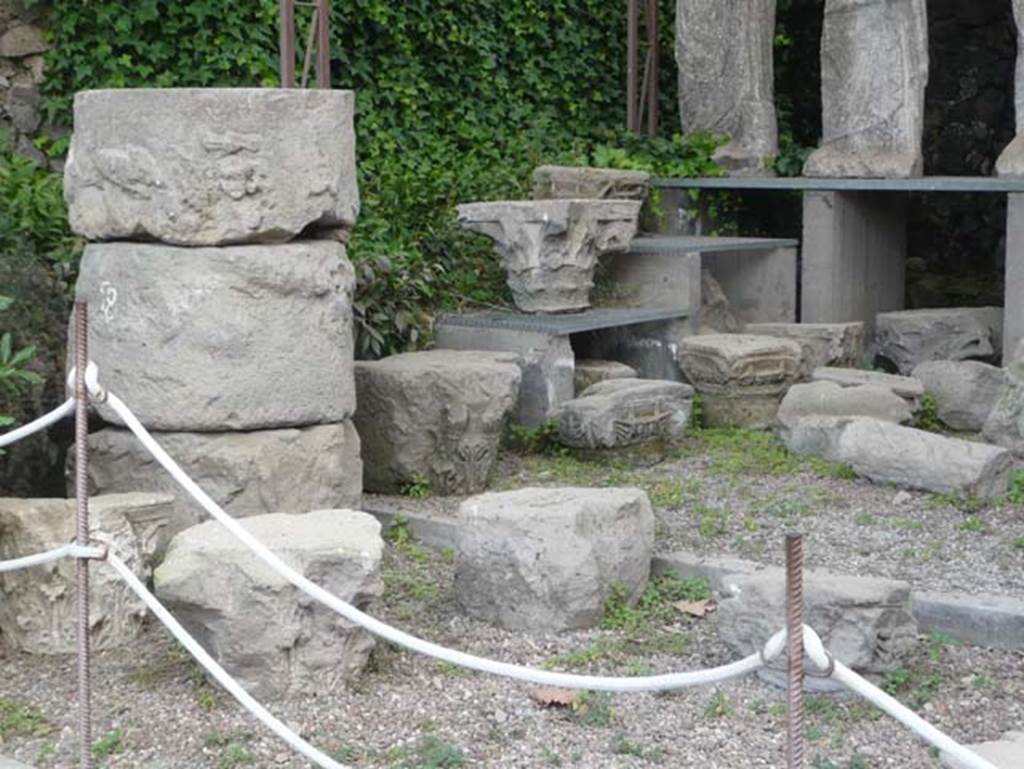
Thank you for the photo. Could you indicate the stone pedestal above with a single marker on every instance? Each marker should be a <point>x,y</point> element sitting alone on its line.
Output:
<point>623,412</point>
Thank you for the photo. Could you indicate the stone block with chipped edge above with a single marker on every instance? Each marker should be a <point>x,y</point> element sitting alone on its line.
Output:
<point>822,344</point>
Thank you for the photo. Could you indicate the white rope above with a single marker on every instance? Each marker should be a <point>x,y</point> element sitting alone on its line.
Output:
<point>419,645</point>
<point>38,559</point>
<point>222,676</point>
<point>36,425</point>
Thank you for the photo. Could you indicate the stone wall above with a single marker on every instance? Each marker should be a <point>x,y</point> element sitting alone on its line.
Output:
<point>22,46</point>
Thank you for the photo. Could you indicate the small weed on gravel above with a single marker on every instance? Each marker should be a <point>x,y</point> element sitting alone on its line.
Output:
<point>1018,544</point>
<point>17,719</point>
<point>656,604</point>
<point>719,706</point>
<point>928,415</point>
<point>429,753</point>
<point>593,709</point>
<point>1015,495</point>
<point>623,747</point>
<point>109,744</point>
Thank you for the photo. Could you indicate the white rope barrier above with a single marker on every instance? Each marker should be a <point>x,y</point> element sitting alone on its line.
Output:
<point>15,435</point>
<point>38,559</point>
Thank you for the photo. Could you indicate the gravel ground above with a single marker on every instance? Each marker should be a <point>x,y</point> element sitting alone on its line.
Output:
<point>413,713</point>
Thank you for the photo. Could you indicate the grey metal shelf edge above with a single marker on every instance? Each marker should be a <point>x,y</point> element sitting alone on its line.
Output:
<point>569,323</point>
<point>802,183</point>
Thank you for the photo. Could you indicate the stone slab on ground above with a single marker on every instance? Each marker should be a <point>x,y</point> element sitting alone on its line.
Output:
<point>211,166</point>
<point>216,339</point>
<point>741,377</point>
<point>830,399</point>
<point>986,620</point>
<point>251,473</point>
<point>965,392</point>
<point>822,344</point>
<point>38,605</point>
<point>261,628</point>
<point>435,415</point>
<point>912,390</point>
<point>10,763</point>
<point>624,412</point>
<point>909,337</point>
<point>548,558</point>
<point>576,182</point>
<point>1005,422</point>
<point>1004,753</point>
<point>589,371</point>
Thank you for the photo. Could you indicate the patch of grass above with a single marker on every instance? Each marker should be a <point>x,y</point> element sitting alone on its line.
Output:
<point>739,452</point>
<point>430,752</point>
<point>666,494</point>
<point>778,506</point>
<point>928,415</point>
<point>623,652</point>
<point>17,719</point>
<point>234,755</point>
<point>400,535</point>
<point>915,686</point>
<point>1018,544</point>
<point>593,709</point>
<point>419,488</point>
<point>714,521</point>
<point>865,519</point>
<point>624,747</point>
<point>654,607</point>
<point>972,523</point>
<point>1015,493</point>
<point>719,706</point>
<point>697,413</point>
<point>544,440</point>
<point>109,744</point>
<point>205,695</point>
<point>956,501</point>
<point>907,524</point>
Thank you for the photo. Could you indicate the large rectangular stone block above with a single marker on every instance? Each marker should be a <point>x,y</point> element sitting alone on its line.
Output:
<point>202,167</point>
<point>216,339</point>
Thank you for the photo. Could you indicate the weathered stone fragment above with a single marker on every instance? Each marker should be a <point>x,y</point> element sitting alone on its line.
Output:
<point>716,315</point>
<point>273,638</point>
<point>247,473</point>
<point>589,372</point>
<point>822,344</point>
<point>864,621</point>
<point>436,414</point>
<point>548,558</point>
<point>724,53</point>
<point>1005,423</point>
<point>908,388</point>
<point>213,339</point>
<point>888,453</point>
<point>550,182</point>
<point>623,412</point>
<point>22,40</point>
<point>829,399</point>
<point>38,605</point>
<point>874,69</point>
<point>965,392</point>
<point>550,247</point>
<point>909,337</point>
<point>740,377</point>
<point>204,167</point>
<point>1011,161</point>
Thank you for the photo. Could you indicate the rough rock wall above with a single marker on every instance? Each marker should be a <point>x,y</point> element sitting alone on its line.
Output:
<point>22,46</point>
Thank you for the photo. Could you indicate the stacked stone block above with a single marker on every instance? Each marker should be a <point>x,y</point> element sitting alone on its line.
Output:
<point>219,289</point>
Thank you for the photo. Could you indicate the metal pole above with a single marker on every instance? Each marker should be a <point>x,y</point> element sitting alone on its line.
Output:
<point>632,44</point>
<point>287,43</point>
<point>82,533</point>
<point>652,51</point>
<point>795,652</point>
<point>323,44</point>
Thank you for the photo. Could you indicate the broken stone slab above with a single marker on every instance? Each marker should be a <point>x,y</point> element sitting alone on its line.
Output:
<point>265,632</point>
<point>874,69</point>
<point>1005,422</point>
<point>995,621</point>
<point>724,54</point>
<point>822,344</point>
<point>886,453</point>
<point>576,182</point>
<point>965,392</point>
<point>624,412</point>
<point>437,415</point>
<point>550,247</point>
<point>549,558</point>
<point>1005,753</point>
<point>741,377</point>
<point>38,605</point>
<point>211,166</point>
<point>909,337</point>
<point>247,473</point>
<point>216,339</point>
<point>908,388</point>
<point>23,40</point>
<point>589,371</point>
<point>829,399</point>
<point>1011,161</point>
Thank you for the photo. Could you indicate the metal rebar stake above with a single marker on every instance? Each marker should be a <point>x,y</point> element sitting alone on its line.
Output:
<point>795,651</point>
<point>82,533</point>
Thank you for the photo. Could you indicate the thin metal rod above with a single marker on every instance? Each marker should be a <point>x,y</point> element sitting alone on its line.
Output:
<point>652,52</point>
<point>82,534</point>
<point>323,44</point>
<point>287,43</point>
<point>307,57</point>
<point>632,44</point>
<point>795,652</point>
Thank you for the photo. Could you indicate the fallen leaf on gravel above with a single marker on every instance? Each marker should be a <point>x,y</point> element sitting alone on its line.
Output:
<point>551,697</point>
<point>695,608</point>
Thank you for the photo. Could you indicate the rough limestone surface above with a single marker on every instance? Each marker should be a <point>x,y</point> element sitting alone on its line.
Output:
<point>887,453</point>
<point>247,473</point>
<point>1005,423</point>
<point>1011,161</point>
<point>38,606</point>
<point>582,182</point>
<point>548,558</point>
<point>909,337</point>
<point>724,53</point>
<point>263,630</point>
<point>741,377</point>
<point>1004,753</point>
<point>215,339</point>
<point>23,40</point>
<point>550,247</point>
<point>829,399</point>
<point>908,388</point>
<point>436,415</point>
<point>965,392</point>
<point>623,412</point>
<point>874,69</point>
<point>865,622</point>
<point>716,315</point>
<point>822,344</point>
<point>211,166</point>
<point>588,372</point>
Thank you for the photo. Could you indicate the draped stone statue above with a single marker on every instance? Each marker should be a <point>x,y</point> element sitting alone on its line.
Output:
<point>1011,162</point>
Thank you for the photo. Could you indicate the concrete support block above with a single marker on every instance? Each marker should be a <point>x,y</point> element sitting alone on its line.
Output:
<point>760,285</point>
<point>1013,311</point>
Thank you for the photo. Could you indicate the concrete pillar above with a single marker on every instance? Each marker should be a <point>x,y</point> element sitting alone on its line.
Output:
<point>761,285</point>
<point>854,256</point>
<point>1013,296</point>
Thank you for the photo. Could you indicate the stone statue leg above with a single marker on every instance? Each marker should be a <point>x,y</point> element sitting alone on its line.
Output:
<point>1011,162</point>
<point>724,53</point>
<point>874,69</point>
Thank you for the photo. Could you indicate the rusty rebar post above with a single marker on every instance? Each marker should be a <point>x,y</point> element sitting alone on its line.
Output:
<point>287,43</point>
<point>632,46</point>
<point>795,651</point>
<point>323,44</point>
<point>82,534</point>
<point>652,75</point>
